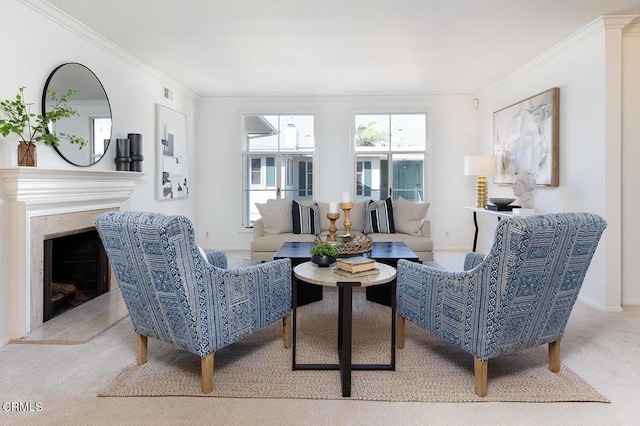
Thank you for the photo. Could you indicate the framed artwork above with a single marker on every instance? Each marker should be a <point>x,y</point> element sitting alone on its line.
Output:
<point>171,149</point>
<point>525,140</point>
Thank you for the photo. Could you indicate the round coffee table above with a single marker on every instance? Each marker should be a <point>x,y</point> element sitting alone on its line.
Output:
<point>310,273</point>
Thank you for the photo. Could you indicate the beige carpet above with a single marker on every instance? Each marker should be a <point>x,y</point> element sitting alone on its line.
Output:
<point>428,369</point>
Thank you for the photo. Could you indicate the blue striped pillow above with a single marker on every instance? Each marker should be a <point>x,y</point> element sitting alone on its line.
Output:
<point>379,217</point>
<point>306,219</point>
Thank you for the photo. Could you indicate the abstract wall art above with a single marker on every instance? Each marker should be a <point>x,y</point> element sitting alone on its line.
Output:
<point>525,140</point>
<point>171,148</point>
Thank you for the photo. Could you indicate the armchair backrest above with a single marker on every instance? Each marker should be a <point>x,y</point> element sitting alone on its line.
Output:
<point>159,269</point>
<point>531,278</point>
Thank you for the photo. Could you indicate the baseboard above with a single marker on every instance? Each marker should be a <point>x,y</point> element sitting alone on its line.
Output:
<point>631,301</point>
<point>4,341</point>
<point>600,307</point>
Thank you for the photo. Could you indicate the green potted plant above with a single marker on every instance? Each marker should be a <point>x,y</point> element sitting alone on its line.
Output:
<point>32,128</point>
<point>324,254</point>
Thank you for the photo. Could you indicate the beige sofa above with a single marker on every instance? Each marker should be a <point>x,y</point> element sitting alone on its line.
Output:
<point>274,228</point>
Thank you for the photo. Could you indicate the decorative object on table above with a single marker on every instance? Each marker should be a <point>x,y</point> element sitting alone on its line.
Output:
<point>525,139</point>
<point>123,156</point>
<point>135,149</point>
<point>529,300</point>
<point>342,272</point>
<point>171,149</point>
<point>501,204</point>
<point>332,227</point>
<point>94,120</point>
<point>480,167</point>
<point>32,128</point>
<point>324,255</point>
<point>349,245</point>
<point>355,264</point>
<point>523,187</point>
<point>346,205</point>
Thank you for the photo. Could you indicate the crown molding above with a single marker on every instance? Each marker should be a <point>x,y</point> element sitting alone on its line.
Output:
<point>633,29</point>
<point>598,25</point>
<point>73,25</point>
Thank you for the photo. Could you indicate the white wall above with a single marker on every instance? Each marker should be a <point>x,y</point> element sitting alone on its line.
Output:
<point>133,91</point>
<point>630,169</point>
<point>584,68</point>
<point>452,134</point>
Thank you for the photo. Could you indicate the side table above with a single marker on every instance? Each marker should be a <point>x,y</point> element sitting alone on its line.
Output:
<point>311,273</point>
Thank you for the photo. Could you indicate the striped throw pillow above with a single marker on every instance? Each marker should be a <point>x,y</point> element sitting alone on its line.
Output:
<point>379,217</point>
<point>306,219</point>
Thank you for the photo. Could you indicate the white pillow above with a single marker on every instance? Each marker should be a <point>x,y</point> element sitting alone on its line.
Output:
<point>408,216</point>
<point>276,216</point>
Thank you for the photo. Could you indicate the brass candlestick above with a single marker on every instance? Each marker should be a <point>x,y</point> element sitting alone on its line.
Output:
<point>332,228</point>
<point>347,223</point>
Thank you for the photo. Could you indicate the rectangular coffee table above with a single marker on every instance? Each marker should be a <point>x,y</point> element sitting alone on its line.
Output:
<point>384,252</point>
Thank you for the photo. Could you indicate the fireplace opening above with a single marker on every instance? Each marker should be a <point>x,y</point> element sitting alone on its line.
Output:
<point>76,270</point>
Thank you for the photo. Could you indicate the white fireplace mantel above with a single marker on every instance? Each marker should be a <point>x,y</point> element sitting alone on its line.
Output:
<point>44,189</point>
<point>37,191</point>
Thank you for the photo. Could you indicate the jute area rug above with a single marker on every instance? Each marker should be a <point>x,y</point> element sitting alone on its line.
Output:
<point>428,369</point>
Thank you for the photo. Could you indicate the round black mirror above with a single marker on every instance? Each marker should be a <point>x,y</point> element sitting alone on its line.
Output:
<point>93,122</point>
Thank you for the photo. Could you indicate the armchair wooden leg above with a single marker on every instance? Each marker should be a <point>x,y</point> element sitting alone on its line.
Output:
<point>400,332</point>
<point>286,331</point>
<point>206,366</point>
<point>554,356</point>
<point>480,370</point>
<point>141,355</point>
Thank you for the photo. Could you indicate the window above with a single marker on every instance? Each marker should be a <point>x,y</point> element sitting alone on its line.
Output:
<point>278,160</point>
<point>391,156</point>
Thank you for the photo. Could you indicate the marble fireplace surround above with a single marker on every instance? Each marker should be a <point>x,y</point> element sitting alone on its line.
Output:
<point>46,203</point>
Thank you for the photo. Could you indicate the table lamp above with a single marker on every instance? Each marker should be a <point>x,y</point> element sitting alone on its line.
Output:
<point>480,167</point>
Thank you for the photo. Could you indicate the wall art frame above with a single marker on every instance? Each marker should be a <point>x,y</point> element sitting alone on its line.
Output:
<point>526,140</point>
<point>171,153</point>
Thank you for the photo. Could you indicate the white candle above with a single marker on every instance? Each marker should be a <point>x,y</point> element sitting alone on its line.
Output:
<point>333,207</point>
<point>346,197</point>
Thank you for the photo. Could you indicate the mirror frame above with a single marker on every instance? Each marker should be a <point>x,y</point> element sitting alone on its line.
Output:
<point>44,112</point>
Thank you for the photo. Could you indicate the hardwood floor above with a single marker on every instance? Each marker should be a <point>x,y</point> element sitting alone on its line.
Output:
<point>80,324</point>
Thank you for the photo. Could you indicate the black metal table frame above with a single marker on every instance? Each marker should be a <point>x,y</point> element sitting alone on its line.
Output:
<point>345,330</point>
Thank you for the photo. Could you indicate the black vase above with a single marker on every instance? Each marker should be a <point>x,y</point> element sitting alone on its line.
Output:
<point>135,144</point>
<point>123,158</point>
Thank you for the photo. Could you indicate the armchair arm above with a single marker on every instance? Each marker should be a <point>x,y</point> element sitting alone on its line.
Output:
<point>248,299</point>
<point>217,258</point>
<point>439,301</point>
<point>472,259</point>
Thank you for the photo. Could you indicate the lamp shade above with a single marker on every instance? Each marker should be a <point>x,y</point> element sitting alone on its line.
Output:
<point>479,166</point>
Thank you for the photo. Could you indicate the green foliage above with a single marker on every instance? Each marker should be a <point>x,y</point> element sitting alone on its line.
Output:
<point>367,135</point>
<point>324,250</point>
<point>32,127</point>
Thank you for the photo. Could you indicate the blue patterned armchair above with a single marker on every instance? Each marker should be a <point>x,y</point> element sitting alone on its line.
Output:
<point>176,293</point>
<point>516,297</point>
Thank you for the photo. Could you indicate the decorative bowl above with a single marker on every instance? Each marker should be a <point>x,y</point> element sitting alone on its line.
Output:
<point>501,201</point>
<point>323,261</point>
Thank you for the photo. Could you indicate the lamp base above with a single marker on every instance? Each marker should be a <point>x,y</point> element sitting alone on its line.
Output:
<point>481,191</point>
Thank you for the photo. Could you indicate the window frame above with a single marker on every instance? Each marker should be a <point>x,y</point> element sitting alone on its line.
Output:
<point>286,160</point>
<point>389,152</point>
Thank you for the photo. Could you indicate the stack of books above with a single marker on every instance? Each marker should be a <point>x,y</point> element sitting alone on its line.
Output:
<point>357,266</point>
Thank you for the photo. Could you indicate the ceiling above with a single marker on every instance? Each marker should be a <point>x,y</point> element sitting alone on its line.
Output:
<point>337,47</point>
